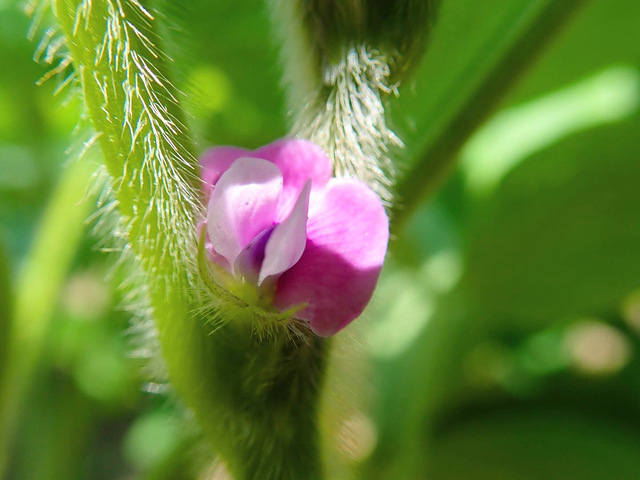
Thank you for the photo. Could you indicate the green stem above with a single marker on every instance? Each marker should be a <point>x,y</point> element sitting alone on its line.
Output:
<point>263,419</point>
<point>254,397</point>
<point>37,292</point>
<point>6,315</point>
<point>516,49</point>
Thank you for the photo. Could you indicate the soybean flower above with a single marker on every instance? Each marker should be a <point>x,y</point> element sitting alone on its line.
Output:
<point>279,225</point>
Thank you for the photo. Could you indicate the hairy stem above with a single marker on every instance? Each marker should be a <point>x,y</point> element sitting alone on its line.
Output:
<point>254,396</point>
<point>346,117</point>
<point>265,419</point>
<point>342,60</point>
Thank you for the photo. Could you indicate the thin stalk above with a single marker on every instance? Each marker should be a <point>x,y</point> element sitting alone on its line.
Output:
<point>37,292</point>
<point>6,312</point>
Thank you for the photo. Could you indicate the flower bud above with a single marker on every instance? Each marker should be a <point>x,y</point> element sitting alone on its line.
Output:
<point>285,236</point>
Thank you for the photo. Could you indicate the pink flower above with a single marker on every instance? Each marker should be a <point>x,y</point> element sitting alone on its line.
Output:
<point>277,220</point>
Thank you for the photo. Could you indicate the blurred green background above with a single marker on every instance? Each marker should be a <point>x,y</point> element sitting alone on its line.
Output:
<point>502,342</point>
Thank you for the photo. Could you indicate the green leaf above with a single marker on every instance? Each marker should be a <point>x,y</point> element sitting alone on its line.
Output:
<point>478,51</point>
<point>586,164</point>
<point>560,237</point>
<point>227,66</point>
<point>536,444</point>
<point>604,34</point>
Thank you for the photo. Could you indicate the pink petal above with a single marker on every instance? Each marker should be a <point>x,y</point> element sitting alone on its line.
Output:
<point>215,161</point>
<point>299,161</point>
<point>243,204</point>
<point>286,244</point>
<point>347,235</point>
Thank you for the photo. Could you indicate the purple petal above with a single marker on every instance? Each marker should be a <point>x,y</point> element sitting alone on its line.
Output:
<point>243,204</point>
<point>215,161</point>
<point>286,244</point>
<point>250,259</point>
<point>347,235</point>
<point>299,161</point>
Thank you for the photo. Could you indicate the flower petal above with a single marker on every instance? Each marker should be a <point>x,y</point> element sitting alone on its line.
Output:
<point>243,204</point>
<point>298,160</point>
<point>286,244</point>
<point>347,236</point>
<point>250,259</point>
<point>215,161</point>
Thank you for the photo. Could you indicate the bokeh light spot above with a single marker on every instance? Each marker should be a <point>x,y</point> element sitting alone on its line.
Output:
<point>597,348</point>
<point>86,296</point>
<point>210,88</point>
<point>357,437</point>
<point>152,438</point>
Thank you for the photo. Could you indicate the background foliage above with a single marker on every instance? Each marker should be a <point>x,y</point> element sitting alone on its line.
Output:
<point>503,339</point>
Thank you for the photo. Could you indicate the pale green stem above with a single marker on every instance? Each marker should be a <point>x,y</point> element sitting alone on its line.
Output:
<point>37,292</point>
<point>6,318</point>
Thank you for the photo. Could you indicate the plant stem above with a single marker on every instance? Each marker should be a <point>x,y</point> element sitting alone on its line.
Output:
<point>37,293</point>
<point>254,397</point>
<point>269,407</point>
<point>6,313</point>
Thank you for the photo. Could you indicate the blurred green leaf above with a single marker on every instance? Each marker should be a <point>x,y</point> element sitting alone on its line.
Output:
<point>520,131</point>
<point>6,313</point>
<point>536,444</point>
<point>559,236</point>
<point>229,70</point>
<point>604,34</point>
<point>55,436</point>
<point>555,237</point>
<point>478,51</point>
<point>155,437</point>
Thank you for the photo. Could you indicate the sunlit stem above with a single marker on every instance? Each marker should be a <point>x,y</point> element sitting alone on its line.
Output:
<point>255,396</point>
